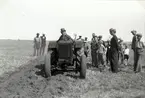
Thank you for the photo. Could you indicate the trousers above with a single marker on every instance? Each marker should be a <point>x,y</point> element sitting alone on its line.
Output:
<point>138,60</point>
<point>94,58</point>
<point>114,60</point>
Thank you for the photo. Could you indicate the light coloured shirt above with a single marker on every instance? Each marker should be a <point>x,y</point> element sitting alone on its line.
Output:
<point>86,46</point>
<point>37,40</point>
<point>140,44</point>
<point>126,51</point>
<point>102,49</point>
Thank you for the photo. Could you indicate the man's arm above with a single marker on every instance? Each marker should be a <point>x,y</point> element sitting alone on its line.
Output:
<point>45,38</point>
<point>40,40</point>
<point>59,38</point>
<point>143,45</point>
<point>91,41</point>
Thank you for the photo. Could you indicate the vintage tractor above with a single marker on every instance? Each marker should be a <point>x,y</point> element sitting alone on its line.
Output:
<point>65,56</point>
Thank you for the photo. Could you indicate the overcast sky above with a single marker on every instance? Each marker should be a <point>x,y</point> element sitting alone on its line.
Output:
<point>22,19</point>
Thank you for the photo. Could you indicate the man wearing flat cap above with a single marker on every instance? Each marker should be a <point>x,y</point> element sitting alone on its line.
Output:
<point>94,47</point>
<point>139,53</point>
<point>43,44</point>
<point>114,48</point>
<point>133,46</point>
<point>101,53</point>
<point>64,36</point>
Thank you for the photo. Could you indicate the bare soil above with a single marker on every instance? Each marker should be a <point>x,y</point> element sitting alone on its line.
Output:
<point>30,82</point>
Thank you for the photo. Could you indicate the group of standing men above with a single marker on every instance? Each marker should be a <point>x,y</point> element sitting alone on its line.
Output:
<point>100,51</point>
<point>113,51</point>
<point>39,44</point>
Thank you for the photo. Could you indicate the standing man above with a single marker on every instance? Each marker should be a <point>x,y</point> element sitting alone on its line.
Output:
<point>86,47</point>
<point>94,47</point>
<point>101,53</point>
<point>37,45</point>
<point>121,51</point>
<point>133,46</point>
<point>139,53</point>
<point>114,51</point>
<point>108,53</point>
<point>43,44</point>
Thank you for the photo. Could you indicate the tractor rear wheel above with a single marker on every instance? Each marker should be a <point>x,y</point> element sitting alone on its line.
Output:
<point>83,67</point>
<point>47,62</point>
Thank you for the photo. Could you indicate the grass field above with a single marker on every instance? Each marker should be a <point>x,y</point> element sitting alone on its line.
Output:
<point>27,84</point>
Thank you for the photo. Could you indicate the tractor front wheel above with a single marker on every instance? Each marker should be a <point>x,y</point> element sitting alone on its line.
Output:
<point>47,62</point>
<point>83,67</point>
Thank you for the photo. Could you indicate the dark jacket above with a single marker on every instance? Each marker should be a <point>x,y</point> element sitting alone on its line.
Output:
<point>133,45</point>
<point>65,38</point>
<point>94,44</point>
<point>114,43</point>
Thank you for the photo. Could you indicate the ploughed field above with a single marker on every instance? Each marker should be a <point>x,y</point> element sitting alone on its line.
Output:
<point>22,76</point>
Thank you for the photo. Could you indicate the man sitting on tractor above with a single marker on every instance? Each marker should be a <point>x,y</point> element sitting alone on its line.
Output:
<point>64,36</point>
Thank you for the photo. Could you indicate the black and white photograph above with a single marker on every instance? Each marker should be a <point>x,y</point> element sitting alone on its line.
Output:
<point>72,48</point>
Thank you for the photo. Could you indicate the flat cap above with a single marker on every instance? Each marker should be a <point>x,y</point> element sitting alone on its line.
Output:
<point>62,30</point>
<point>133,31</point>
<point>112,30</point>
<point>93,34</point>
<point>100,36</point>
<point>139,35</point>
